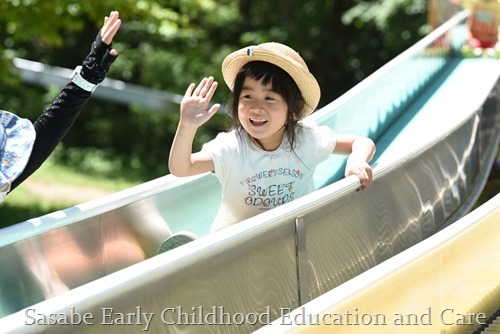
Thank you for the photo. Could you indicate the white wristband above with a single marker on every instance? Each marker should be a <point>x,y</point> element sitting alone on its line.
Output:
<point>78,80</point>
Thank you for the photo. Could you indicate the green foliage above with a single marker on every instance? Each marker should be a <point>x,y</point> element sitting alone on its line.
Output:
<point>167,44</point>
<point>384,15</point>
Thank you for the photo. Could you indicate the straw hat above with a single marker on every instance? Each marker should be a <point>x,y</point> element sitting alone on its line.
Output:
<point>281,56</point>
<point>17,136</point>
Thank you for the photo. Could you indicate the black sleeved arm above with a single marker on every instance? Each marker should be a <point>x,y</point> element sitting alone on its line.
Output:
<point>52,126</point>
<point>58,118</point>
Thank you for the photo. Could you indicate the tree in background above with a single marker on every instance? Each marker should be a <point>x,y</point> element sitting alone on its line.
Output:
<point>166,44</point>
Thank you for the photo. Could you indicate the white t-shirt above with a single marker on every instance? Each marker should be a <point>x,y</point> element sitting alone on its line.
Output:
<point>254,180</point>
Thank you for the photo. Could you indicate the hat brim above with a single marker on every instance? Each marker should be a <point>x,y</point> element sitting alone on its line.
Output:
<point>17,139</point>
<point>279,55</point>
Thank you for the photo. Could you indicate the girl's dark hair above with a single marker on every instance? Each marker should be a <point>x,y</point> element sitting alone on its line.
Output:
<point>281,83</point>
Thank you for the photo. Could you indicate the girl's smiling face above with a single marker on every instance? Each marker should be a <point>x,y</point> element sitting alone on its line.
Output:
<point>263,113</point>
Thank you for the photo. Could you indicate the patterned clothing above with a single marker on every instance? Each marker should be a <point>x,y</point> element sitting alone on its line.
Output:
<point>17,136</point>
<point>254,180</point>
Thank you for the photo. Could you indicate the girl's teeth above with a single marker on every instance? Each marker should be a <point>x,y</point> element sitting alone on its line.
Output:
<point>256,121</point>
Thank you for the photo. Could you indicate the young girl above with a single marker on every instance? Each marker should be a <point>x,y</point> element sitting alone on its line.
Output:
<point>269,158</point>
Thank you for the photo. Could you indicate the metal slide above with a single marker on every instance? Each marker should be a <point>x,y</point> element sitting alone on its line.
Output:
<point>435,119</point>
<point>448,283</point>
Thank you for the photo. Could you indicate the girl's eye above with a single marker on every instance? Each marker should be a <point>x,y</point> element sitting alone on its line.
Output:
<point>271,99</point>
<point>246,97</point>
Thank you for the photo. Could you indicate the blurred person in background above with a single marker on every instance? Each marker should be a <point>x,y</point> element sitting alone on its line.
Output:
<point>482,24</point>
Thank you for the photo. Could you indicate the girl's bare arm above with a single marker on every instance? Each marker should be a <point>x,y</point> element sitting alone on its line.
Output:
<point>195,111</point>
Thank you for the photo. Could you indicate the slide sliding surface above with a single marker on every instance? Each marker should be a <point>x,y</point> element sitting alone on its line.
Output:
<point>435,119</point>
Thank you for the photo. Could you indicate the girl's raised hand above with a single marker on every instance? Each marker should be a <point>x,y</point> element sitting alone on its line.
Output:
<point>195,105</point>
